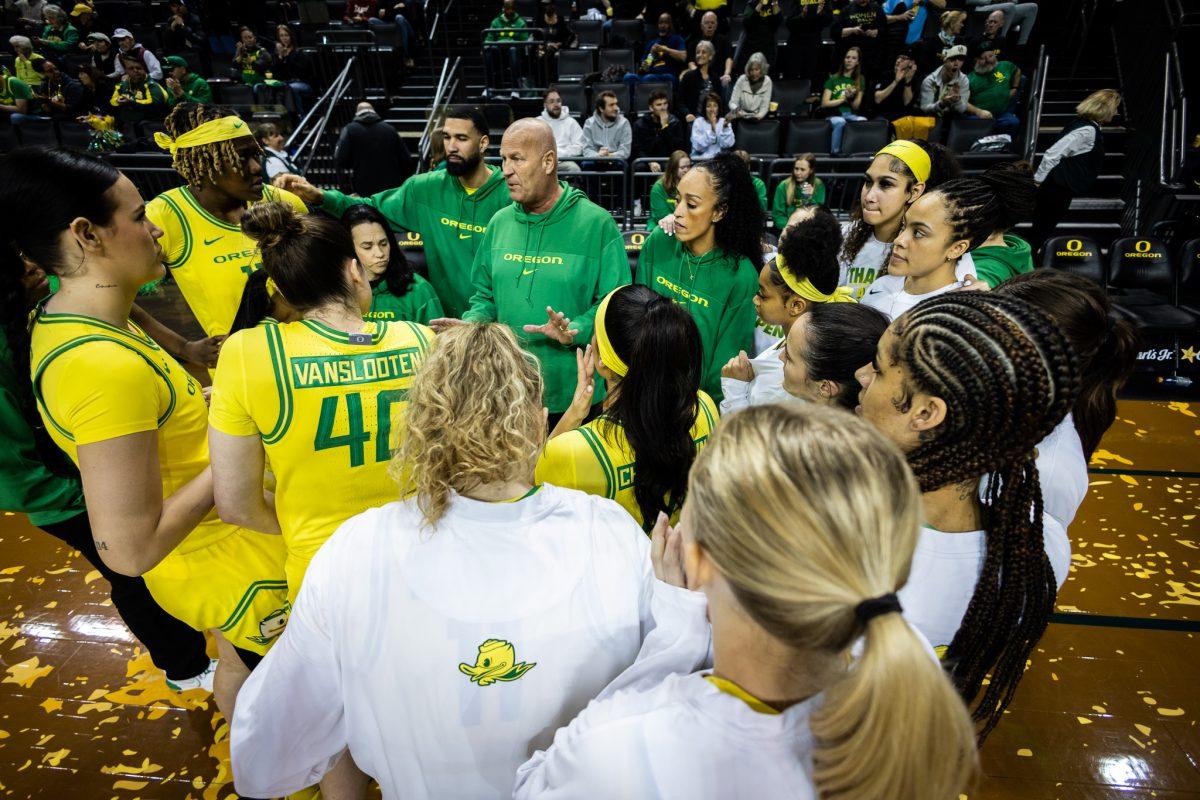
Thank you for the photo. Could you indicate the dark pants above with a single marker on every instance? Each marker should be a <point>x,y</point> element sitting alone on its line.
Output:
<point>495,57</point>
<point>1053,202</point>
<point>175,648</point>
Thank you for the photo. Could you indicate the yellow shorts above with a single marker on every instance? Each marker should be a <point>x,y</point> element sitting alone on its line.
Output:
<point>294,567</point>
<point>235,584</point>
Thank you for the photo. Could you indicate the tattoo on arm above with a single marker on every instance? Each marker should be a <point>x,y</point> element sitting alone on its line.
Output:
<point>101,544</point>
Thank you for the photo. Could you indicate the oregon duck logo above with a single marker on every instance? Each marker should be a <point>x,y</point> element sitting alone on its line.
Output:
<point>497,661</point>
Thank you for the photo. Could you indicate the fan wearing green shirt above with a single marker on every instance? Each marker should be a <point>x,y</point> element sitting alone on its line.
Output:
<point>398,293</point>
<point>183,84</point>
<point>1004,195</point>
<point>800,189</point>
<point>59,37</point>
<point>16,98</point>
<point>994,85</point>
<point>495,54</point>
<point>664,194</point>
<point>760,188</point>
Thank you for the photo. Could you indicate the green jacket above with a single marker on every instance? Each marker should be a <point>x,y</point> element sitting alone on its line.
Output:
<point>419,304</point>
<point>780,210</point>
<point>661,204</point>
<point>60,42</point>
<point>508,36</point>
<point>568,258</point>
<point>195,90</point>
<point>997,264</point>
<point>451,223</point>
<point>27,485</point>
<point>717,289</point>
<point>760,189</point>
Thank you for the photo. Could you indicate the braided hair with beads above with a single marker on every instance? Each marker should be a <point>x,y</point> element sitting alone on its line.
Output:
<point>1008,376</point>
<point>203,163</point>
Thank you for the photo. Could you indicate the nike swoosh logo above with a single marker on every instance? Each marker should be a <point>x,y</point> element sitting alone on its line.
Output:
<point>207,242</point>
<point>464,236</point>
<point>528,271</point>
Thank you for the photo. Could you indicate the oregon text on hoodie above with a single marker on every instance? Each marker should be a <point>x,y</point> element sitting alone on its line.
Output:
<point>568,258</point>
<point>716,288</point>
<point>598,132</point>
<point>451,222</point>
<point>568,136</point>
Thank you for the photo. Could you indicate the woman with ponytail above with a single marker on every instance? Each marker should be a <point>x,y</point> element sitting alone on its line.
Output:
<point>967,384</point>
<point>127,414</point>
<point>797,533</point>
<point>1013,196</point>
<point>824,350</point>
<point>899,174</point>
<point>1107,349</point>
<point>655,418</point>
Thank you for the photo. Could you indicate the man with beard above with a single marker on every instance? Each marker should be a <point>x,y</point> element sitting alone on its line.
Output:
<point>568,136</point>
<point>450,208</point>
<point>994,85</point>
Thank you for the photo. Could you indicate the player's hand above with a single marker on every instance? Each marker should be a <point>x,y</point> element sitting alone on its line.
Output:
<point>203,351</point>
<point>443,324</point>
<point>972,284</point>
<point>585,387</point>
<point>666,553</point>
<point>557,327</point>
<point>738,368</point>
<point>297,185</point>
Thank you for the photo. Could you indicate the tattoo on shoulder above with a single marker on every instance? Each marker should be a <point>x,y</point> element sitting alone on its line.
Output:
<point>101,544</point>
<point>106,286</point>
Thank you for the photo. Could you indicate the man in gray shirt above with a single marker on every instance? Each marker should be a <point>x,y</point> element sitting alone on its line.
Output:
<point>944,91</point>
<point>607,134</point>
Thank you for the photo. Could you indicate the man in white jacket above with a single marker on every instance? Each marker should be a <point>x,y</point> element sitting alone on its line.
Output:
<point>568,136</point>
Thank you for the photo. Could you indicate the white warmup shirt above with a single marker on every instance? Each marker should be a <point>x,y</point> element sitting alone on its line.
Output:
<point>945,569</point>
<point>766,387</point>
<point>1062,472</point>
<point>887,293</point>
<point>443,659</point>
<point>866,266</point>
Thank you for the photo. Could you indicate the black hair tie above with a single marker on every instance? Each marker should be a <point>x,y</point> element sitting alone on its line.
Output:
<point>867,610</point>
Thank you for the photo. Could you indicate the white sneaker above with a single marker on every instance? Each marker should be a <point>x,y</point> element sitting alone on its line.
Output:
<point>202,681</point>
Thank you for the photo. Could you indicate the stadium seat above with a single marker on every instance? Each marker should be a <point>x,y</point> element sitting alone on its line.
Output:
<point>574,97</point>
<point>621,57</point>
<point>966,132</point>
<point>590,32</point>
<point>808,136</point>
<point>760,138</point>
<point>633,247</point>
<point>413,248</point>
<point>627,33</point>
<point>574,65</point>
<point>1075,254</point>
<point>865,138</point>
<point>36,131</point>
<point>1189,276</point>
<point>620,90</point>
<point>1143,280</point>
<point>499,116</point>
<point>641,95</point>
<point>74,134</point>
<point>234,94</point>
<point>792,97</point>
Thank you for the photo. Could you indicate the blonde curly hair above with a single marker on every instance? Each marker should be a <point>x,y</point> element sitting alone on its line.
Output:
<point>474,416</point>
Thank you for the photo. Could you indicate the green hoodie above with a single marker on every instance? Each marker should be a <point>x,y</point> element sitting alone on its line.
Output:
<point>419,304</point>
<point>450,221</point>
<point>997,264</point>
<point>717,289</point>
<point>502,21</point>
<point>568,258</point>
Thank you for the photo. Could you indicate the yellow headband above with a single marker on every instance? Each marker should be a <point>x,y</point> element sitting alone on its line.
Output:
<point>215,130</point>
<point>607,354</point>
<point>913,156</point>
<point>803,287</point>
<point>272,289</point>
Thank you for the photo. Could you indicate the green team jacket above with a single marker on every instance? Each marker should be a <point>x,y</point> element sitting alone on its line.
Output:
<point>568,258</point>
<point>419,304</point>
<point>997,264</point>
<point>780,210</point>
<point>451,222</point>
<point>26,484</point>
<point>717,289</point>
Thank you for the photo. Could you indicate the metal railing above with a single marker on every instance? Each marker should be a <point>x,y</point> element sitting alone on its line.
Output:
<point>533,62</point>
<point>1033,121</point>
<point>308,133</point>
<point>1173,133</point>
<point>447,87</point>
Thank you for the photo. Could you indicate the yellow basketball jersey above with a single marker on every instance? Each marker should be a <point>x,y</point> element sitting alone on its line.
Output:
<point>323,402</point>
<point>597,459</point>
<point>209,258</point>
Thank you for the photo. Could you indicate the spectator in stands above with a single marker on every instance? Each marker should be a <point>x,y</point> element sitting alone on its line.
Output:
<point>183,32</point>
<point>16,98</point>
<point>437,151</point>
<point>895,98</point>
<point>699,81</point>
<point>842,97</point>
<point>408,16</point>
<point>126,46</point>
<point>568,136</point>
<point>664,194</point>
<point>711,133</point>
<point>993,38</point>
<point>293,68</point>
<point>496,55</point>
<point>360,13</point>
<point>23,63</point>
<point>658,133</point>
<point>665,56</point>
<point>138,97</point>
<point>373,151</point>
<point>994,85</point>
<point>84,18</point>
<point>861,24</point>
<point>558,34</point>
<point>95,88</point>
<point>1019,15</point>
<point>607,133</point>
<point>760,188</point>
<point>805,23</point>
<point>103,55</point>
<point>762,20</point>
<point>251,61</point>
<point>800,189</point>
<point>949,33</point>
<point>59,37</point>
<point>1071,165</point>
<point>62,97</point>
<point>906,18</point>
<point>945,91</point>
<point>720,60</point>
<point>751,95</point>
<point>30,13</point>
<point>275,160</point>
<point>183,84</point>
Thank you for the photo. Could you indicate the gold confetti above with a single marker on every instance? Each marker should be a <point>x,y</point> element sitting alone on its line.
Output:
<point>1132,481</point>
<point>1025,752</point>
<point>131,785</point>
<point>1170,712</point>
<point>1100,709</point>
<point>51,705</point>
<point>1143,729</point>
<point>94,575</point>
<point>1084,720</point>
<point>27,672</point>
<point>55,758</point>
<point>124,769</point>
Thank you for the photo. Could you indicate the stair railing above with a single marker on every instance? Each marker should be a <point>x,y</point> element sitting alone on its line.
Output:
<point>1034,119</point>
<point>1172,148</point>
<point>447,87</point>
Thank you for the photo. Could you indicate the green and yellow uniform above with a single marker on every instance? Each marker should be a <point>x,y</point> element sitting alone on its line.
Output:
<point>597,458</point>
<point>209,258</point>
<point>150,100</point>
<point>323,403</point>
<point>94,382</point>
<point>419,304</point>
<point>14,89</point>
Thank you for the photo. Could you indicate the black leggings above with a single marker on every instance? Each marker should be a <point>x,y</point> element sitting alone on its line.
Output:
<point>175,648</point>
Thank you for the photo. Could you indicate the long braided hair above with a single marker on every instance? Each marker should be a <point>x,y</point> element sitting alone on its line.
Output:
<point>204,163</point>
<point>997,200</point>
<point>1008,376</point>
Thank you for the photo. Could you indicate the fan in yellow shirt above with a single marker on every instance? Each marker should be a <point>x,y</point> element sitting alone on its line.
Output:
<point>203,247</point>
<point>319,394</point>
<point>655,418</point>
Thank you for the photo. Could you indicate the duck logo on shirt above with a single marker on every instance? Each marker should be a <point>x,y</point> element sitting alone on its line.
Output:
<point>497,661</point>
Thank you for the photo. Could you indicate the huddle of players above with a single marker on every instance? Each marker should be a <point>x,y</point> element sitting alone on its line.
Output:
<point>787,546</point>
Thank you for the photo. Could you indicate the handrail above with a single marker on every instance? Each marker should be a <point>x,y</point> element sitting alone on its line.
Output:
<point>443,90</point>
<point>303,122</point>
<point>1172,136</point>
<point>1034,123</point>
<point>320,129</point>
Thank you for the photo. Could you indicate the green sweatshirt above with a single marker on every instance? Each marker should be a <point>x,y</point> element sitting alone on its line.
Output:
<point>502,21</point>
<point>450,221</point>
<point>195,90</point>
<point>716,288</point>
<point>661,204</point>
<point>780,210</point>
<point>568,258</point>
<point>26,484</point>
<point>419,304</point>
<point>760,189</point>
<point>997,264</point>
